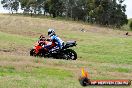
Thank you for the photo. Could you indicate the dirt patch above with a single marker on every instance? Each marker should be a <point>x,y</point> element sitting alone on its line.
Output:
<point>5,50</point>
<point>15,52</point>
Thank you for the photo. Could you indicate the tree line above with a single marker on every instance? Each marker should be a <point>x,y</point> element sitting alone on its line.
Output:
<point>104,12</point>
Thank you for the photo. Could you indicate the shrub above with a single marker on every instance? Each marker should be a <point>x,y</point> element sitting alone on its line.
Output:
<point>130,25</point>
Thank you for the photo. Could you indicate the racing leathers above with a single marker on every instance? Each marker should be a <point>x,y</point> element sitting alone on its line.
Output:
<point>57,43</point>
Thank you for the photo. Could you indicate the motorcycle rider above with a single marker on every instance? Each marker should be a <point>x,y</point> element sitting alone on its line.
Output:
<point>57,42</point>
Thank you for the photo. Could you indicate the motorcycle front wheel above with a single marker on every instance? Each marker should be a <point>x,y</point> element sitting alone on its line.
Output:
<point>32,52</point>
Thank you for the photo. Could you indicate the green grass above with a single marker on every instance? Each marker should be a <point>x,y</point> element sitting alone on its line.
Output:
<point>21,40</point>
<point>43,72</point>
<point>105,56</point>
<point>104,49</point>
<point>37,78</point>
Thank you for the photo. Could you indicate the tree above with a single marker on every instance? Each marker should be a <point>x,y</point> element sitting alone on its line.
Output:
<point>103,12</point>
<point>32,6</point>
<point>130,25</point>
<point>75,9</point>
<point>56,8</point>
<point>107,12</point>
<point>11,5</point>
<point>46,6</point>
<point>25,6</point>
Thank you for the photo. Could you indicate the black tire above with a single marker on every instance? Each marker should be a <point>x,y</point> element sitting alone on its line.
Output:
<point>70,54</point>
<point>85,82</point>
<point>32,52</point>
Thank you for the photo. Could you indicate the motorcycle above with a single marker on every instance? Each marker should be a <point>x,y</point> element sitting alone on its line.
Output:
<point>64,53</point>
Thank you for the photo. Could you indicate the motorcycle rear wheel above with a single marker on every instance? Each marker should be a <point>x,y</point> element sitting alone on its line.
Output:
<point>69,54</point>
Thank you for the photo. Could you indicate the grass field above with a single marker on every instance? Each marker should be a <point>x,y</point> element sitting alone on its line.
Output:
<point>105,53</point>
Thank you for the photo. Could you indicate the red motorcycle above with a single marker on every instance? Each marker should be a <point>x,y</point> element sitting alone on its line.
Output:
<point>64,53</point>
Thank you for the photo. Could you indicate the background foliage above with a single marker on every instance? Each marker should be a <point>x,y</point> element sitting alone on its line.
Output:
<point>104,12</point>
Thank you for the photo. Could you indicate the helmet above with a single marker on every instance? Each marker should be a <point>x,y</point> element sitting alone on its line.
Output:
<point>51,32</point>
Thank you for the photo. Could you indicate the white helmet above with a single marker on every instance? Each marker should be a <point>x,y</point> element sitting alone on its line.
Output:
<point>51,32</point>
